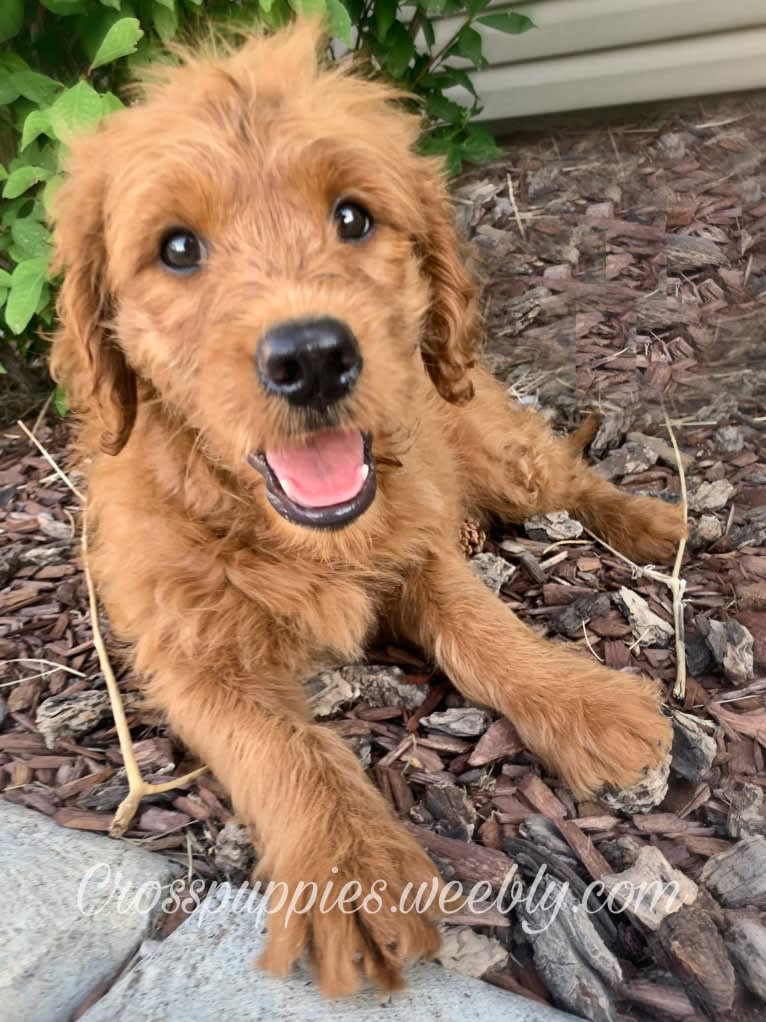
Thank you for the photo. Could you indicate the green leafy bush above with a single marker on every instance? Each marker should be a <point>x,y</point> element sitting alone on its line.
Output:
<point>64,63</point>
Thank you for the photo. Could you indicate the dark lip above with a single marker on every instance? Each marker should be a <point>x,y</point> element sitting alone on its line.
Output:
<point>334,516</point>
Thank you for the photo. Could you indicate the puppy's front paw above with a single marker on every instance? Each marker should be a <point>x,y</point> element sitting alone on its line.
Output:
<point>652,530</point>
<point>608,735</point>
<point>367,922</point>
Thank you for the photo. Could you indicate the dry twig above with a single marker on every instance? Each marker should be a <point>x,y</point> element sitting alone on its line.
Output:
<point>137,787</point>
<point>678,584</point>
<point>512,197</point>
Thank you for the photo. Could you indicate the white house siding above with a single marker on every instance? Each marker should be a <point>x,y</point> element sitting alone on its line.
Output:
<point>589,53</point>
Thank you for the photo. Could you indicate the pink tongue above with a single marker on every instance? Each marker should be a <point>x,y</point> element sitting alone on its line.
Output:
<point>329,469</point>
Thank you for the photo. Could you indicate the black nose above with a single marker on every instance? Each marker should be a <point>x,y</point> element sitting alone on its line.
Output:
<point>310,362</point>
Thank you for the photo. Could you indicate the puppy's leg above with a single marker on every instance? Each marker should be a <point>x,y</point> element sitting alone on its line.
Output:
<point>517,467</point>
<point>592,725</point>
<point>317,821</point>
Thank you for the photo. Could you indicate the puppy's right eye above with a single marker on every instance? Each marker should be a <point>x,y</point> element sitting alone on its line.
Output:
<point>182,251</point>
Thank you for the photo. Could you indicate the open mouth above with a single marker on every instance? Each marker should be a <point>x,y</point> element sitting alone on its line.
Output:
<point>324,483</point>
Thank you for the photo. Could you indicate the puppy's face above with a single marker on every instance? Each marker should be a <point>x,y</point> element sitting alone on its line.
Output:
<point>257,247</point>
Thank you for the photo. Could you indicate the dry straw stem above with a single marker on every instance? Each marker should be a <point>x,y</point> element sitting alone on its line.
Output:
<point>674,582</point>
<point>137,786</point>
<point>512,197</point>
<point>678,584</point>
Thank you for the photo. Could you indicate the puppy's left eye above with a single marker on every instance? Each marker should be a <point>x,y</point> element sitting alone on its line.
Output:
<point>353,222</point>
<point>182,251</point>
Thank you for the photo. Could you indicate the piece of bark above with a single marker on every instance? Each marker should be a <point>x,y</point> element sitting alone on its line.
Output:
<point>469,863</point>
<point>469,953</point>
<point>329,691</point>
<point>81,819</point>
<point>747,811</point>
<point>650,890</point>
<point>746,941</point>
<point>499,741</point>
<point>732,647</point>
<point>664,451</point>
<point>663,1000</point>
<point>626,460</point>
<point>233,852</point>
<point>586,851</point>
<point>463,722</point>
<point>694,750</point>
<point>361,746</point>
<point>699,659</point>
<point>711,496</point>
<point>453,813</point>
<point>158,820</point>
<point>737,878</point>
<point>545,835</point>
<point>494,571</point>
<point>705,531</point>
<point>649,629</point>
<point>553,526</point>
<point>576,965</point>
<point>571,619</point>
<point>70,716</point>
<point>698,957</point>
<point>539,795</point>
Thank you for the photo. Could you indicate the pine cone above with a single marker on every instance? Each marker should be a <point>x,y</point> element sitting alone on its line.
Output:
<point>472,537</point>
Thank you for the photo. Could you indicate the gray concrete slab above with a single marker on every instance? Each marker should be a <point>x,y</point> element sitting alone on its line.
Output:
<point>204,973</point>
<point>73,907</point>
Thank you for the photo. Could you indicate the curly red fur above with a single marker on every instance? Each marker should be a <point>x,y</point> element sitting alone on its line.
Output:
<point>227,606</point>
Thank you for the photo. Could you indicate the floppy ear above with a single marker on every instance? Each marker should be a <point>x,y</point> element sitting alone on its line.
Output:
<point>86,358</point>
<point>453,324</point>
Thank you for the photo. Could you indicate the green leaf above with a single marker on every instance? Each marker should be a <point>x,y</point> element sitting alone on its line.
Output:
<point>75,110</point>
<point>445,110</point>
<point>309,8</point>
<point>428,33</point>
<point>38,88</point>
<point>9,92</point>
<point>339,22</point>
<point>475,7</point>
<point>435,146</point>
<point>165,20</point>
<point>65,7</point>
<point>468,45</point>
<point>61,401</point>
<point>479,144</point>
<point>32,238</point>
<point>36,123</point>
<point>399,49</point>
<point>11,18</point>
<point>385,16</point>
<point>170,4</point>
<point>5,279</point>
<point>514,24</point>
<point>51,187</point>
<point>120,40</point>
<point>460,77</point>
<point>110,3</point>
<point>27,282</point>
<point>110,103</point>
<point>22,179</point>
<point>454,162</point>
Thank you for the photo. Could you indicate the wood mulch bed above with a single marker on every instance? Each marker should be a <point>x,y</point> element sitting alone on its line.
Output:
<point>623,266</point>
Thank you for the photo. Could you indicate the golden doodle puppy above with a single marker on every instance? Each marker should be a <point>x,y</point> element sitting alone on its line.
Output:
<point>271,336</point>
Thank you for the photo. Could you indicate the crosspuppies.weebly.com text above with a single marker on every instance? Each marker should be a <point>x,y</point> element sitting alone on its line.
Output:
<point>542,897</point>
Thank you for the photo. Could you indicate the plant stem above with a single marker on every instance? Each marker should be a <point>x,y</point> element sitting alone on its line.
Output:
<point>436,59</point>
